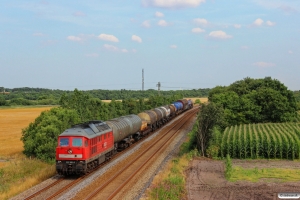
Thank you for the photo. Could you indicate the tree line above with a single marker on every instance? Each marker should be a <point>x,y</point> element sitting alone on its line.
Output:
<point>41,96</point>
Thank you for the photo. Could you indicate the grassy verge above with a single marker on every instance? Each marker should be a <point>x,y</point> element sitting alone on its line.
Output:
<point>254,175</point>
<point>19,174</point>
<point>170,184</point>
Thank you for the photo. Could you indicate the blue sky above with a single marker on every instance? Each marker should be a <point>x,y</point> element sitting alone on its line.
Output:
<point>184,44</point>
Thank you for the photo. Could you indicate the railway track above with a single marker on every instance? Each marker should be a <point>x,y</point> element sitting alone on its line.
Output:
<point>63,184</point>
<point>60,179</point>
<point>111,188</point>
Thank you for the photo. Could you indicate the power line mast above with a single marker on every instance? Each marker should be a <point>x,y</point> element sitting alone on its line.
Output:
<point>158,87</point>
<point>143,80</point>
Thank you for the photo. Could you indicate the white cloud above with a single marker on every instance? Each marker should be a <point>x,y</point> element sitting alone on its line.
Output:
<point>110,47</point>
<point>258,22</point>
<point>114,48</point>
<point>146,24</point>
<point>244,47</point>
<point>237,26</point>
<point>106,37</point>
<point>200,21</point>
<point>79,14</point>
<point>93,55</point>
<point>134,50</point>
<point>159,14</point>
<point>197,30</point>
<point>74,38</point>
<point>290,52</point>
<point>263,64</point>
<point>269,23</point>
<point>173,46</point>
<point>172,3</point>
<point>219,35</point>
<point>136,38</point>
<point>162,23</point>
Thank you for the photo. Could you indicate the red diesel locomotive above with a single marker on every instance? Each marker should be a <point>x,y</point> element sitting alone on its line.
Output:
<point>84,146</point>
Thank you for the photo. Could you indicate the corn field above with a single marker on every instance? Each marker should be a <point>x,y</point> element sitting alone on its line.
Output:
<point>267,140</point>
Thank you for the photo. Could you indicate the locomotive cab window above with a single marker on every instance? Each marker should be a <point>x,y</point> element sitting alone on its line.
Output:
<point>77,142</point>
<point>64,142</point>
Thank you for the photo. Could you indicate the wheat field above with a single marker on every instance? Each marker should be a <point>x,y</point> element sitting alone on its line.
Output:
<point>12,121</point>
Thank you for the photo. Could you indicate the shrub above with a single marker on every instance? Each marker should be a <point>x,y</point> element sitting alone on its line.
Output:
<point>197,101</point>
<point>40,137</point>
<point>228,169</point>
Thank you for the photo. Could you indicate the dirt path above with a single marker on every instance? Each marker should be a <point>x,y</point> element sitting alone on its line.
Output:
<point>206,181</point>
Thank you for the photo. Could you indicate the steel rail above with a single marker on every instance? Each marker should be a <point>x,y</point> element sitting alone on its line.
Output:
<point>44,189</point>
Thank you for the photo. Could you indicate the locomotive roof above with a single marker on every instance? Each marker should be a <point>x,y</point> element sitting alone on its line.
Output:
<point>88,129</point>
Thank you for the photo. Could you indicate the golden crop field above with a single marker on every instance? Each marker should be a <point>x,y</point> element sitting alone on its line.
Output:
<point>12,121</point>
<point>202,99</point>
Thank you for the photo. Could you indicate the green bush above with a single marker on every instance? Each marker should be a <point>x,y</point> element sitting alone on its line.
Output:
<point>21,101</point>
<point>213,151</point>
<point>40,137</point>
<point>197,101</point>
<point>228,169</point>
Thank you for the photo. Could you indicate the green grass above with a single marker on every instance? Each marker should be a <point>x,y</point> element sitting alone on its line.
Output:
<point>173,185</point>
<point>254,175</point>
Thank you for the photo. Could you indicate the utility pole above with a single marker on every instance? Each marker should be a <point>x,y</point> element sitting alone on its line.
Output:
<point>158,87</point>
<point>143,80</point>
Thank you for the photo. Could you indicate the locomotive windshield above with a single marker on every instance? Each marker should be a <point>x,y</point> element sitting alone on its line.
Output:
<point>63,142</point>
<point>77,142</point>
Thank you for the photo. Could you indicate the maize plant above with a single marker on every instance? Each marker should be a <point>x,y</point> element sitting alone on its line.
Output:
<point>268,140</point>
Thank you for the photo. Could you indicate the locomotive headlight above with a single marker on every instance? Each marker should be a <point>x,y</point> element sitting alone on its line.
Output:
<point>59,161</point>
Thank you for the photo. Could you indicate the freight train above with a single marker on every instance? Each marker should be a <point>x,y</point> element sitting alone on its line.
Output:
<point>84,146</point>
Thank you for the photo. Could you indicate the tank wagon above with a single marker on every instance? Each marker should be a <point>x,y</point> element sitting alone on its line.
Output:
<point>125,130</point>
<point>150,118</point>
<point>185,103</point>
<point>190,104</point>
<point>84,146</point>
